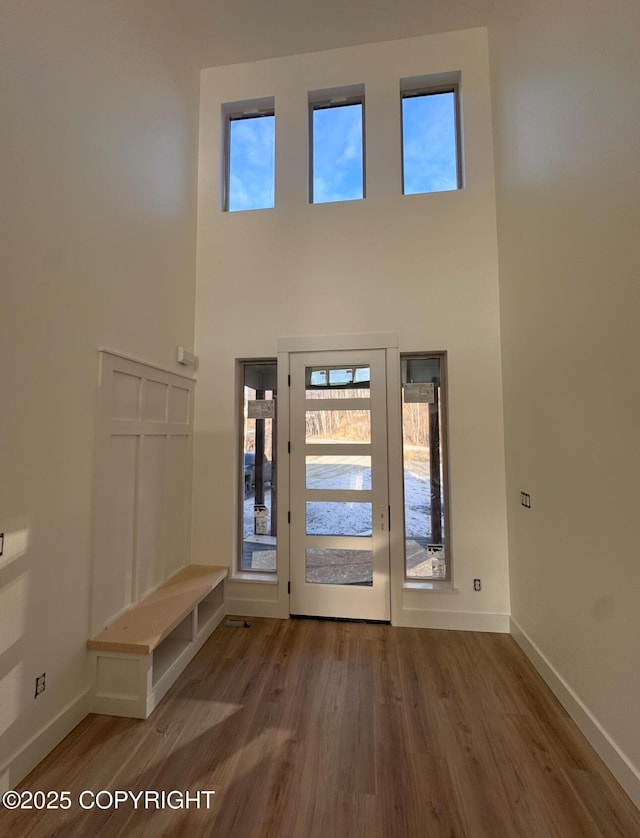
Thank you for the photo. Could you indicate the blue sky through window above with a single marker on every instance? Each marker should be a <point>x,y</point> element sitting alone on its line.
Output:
<point>337,153</point>
<point>251,163</point>
<point>429,143</point>
<point>428,148</point>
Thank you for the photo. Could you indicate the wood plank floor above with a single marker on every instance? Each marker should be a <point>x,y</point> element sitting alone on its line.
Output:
<point>310,728</point>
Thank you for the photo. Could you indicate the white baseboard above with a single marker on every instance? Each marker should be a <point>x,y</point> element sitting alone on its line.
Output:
<point>452,620</point>
<point>618,763</point>
<point>43,742</point>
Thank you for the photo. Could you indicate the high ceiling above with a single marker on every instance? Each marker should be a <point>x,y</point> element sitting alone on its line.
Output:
<point>235,31</point>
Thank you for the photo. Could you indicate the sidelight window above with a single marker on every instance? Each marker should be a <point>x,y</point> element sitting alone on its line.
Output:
<point>427,553</point>
<point>258,467</point>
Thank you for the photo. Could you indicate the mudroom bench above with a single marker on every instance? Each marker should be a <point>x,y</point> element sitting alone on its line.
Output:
<point>140,655</point>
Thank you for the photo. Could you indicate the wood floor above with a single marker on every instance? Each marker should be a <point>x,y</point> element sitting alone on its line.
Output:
<point>308,728</point>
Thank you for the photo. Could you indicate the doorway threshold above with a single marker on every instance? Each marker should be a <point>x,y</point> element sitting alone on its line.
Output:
<point>338,619</point>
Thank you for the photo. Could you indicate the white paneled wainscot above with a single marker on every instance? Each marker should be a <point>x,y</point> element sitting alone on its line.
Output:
<point>142,589</point>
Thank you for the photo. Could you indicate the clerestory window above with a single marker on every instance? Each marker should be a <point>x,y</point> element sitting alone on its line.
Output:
<point>430,140</point>
<point>250,133</point>
<point>336,163</point>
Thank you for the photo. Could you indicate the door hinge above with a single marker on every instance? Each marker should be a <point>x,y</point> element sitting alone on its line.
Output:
<point>389,526</point>
<point>288,517</point>
<point>288,381</point>
<point>288,587</point>
<point>288,447</point>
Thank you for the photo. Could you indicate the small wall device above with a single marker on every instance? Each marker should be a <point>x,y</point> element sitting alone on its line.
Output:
<point>186,358</point>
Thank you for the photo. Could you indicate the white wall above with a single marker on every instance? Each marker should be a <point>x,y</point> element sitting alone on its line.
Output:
<point>99,134</point>
<point>565,84</point>
<point>424,266</point>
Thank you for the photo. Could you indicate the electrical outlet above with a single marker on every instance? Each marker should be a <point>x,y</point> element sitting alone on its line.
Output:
<point>40,684</point>
<point>1,543</point>
<point>525,500</point>
<point>477,585</point>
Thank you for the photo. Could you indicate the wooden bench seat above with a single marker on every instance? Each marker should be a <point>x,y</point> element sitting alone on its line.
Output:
<point>139,656</point>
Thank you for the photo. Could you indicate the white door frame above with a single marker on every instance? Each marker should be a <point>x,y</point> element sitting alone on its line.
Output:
<point>316,343</point>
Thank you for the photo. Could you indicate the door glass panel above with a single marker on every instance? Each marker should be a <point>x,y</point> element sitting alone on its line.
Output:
<point>329,426</point>
<point>342,393</point>
<point>338,518</point>
<point>334,472</point>
<point>353,381</point>
<point>339,567</point>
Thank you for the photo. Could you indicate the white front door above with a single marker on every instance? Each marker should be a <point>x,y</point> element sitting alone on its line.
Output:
<point>339,486</point>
